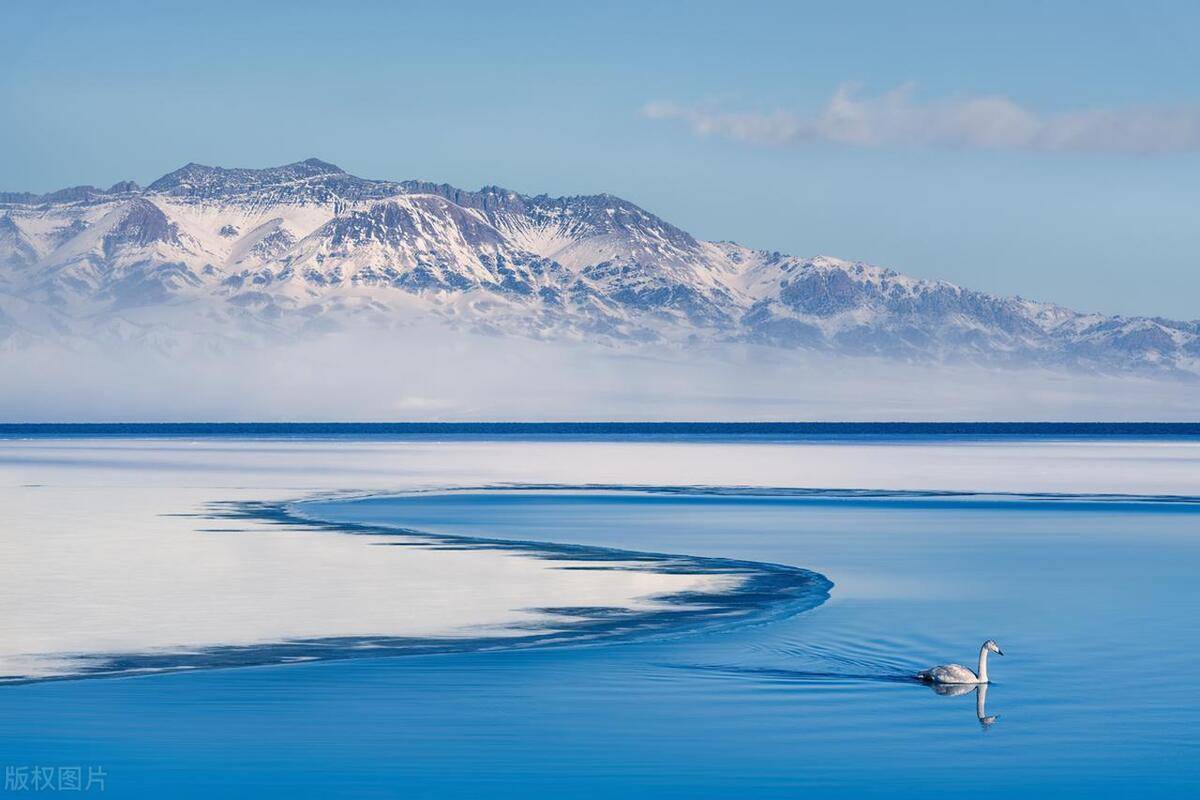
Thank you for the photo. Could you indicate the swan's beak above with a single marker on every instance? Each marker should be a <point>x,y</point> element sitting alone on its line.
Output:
<point>999,652</point>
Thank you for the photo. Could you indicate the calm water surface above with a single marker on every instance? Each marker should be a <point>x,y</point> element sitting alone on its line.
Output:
<point>1095,604</point>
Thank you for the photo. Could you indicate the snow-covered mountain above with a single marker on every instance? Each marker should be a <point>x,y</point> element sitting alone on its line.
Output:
<point>215,255</point>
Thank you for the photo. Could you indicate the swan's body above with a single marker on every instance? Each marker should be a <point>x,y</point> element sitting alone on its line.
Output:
<point>957,673</point>
<point>950,673</point>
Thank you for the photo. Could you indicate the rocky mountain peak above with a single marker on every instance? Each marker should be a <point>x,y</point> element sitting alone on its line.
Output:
<point>199,181</point>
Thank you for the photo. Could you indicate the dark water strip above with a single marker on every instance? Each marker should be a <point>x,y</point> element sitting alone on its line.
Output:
<point>589,431</point>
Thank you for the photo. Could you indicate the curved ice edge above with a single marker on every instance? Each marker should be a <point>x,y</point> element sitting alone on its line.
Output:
<point>766,591</point>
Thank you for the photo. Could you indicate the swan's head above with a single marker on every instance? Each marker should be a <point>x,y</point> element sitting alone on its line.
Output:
<point>991,645</point>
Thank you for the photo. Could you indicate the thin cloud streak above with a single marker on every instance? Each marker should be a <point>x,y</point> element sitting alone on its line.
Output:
<point>897,118</point>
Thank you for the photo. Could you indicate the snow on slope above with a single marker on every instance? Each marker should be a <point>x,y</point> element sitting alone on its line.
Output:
<point>215,253</point>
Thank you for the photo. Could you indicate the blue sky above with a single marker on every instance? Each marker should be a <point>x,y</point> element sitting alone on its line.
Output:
<point>1050,150</point>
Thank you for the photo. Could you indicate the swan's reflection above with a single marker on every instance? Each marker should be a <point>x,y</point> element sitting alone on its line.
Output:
<point>980,690</point>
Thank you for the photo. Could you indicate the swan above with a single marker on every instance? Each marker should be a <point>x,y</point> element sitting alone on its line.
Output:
<point>956,673</point>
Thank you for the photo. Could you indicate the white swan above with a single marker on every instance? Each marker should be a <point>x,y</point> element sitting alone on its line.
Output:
<point>956,673</point>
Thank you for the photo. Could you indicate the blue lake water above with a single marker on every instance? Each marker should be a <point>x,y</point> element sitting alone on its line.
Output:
<point>1095,603</point>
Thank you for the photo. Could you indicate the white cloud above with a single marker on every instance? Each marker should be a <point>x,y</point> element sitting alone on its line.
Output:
<point>987,122</point>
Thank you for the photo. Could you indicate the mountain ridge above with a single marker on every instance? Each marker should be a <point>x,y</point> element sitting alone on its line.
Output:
<point>214,253</point>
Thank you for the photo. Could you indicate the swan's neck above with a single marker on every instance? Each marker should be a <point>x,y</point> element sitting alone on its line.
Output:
<point>983,654</point>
